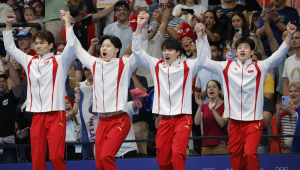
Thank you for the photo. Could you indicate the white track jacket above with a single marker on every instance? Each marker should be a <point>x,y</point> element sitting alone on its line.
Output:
<point>173,84</point>
<point>110,79</point>
<point>46,75</point>
<point>243,84</point>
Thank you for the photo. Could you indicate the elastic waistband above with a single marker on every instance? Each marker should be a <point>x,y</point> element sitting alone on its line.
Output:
<point>115,116</point>
<point>174,116</point>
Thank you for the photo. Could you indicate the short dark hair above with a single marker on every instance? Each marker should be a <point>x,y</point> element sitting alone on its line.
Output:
<point>171,44</point>
<point>30,9</point>
<point>58,44</point>
<point>44,34</point>
<point>245,40</point>
<point>75,6</point>
<point>215,44</point>
<point>114,40</point>
<point>119,4</point>
<point>298,29</point>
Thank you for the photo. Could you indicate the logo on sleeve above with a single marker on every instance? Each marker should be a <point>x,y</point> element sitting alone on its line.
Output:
<point>5,102</point>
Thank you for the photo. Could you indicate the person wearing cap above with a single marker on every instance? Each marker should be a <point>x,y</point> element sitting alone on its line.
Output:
<point>172,96</point>
<point>73,131</point>
<point>46,75</point>
<point>121,28</point>
<point>24,43</point>
<point>8,103</point>
<point>187,39</point>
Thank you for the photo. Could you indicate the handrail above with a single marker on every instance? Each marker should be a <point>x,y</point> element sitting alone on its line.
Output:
<point>23,24</point>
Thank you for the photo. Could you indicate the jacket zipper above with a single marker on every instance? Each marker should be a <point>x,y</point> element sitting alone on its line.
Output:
<point>242,92</point>
<point>103,88</point>
<point>169,90</point>
<point>39,85</point>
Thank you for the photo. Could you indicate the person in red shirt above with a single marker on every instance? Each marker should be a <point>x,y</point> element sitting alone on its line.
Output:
<point>24,42</point>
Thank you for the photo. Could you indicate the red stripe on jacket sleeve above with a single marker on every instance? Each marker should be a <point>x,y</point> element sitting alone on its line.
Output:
<point>121,67</point>
<point>157,80</point>
<point>186,73</point>
<point>258,77</point>
<point>55,67</point>
<point>225,73</point>
<point>28,76</point>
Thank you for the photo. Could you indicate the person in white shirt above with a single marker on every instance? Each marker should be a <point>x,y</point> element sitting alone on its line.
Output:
<point>179,10</point>
<point>291,71</point>
<point>111,76</point>
<point>243,90</point>
<point>46,75</point>
<point>172,96</point>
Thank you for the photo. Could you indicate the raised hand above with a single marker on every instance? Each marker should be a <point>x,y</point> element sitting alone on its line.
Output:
<point>235,38</point>
<point>157,15</point>
<point>202,18</point>
<point>291,29</point>
<point>143,18</point>
<point>193,47</point>
<point>203,94</point>
<point>194,20</point>
<point>62,13</point>
<point>272,15</point>
<point>255,21</point>
<point>214,105</point>
<point>200,30</point>
<point>7,58</point>
<point>198,99</point>
<point>95,41</point>
<point>279,110</point>
<point>10,18</point>
<point>264,16</point>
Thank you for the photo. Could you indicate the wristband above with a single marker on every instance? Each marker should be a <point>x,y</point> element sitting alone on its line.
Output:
<point>71,78</point>
<point>76,99</point>
<point>76,102</point>
<point>276,21</point>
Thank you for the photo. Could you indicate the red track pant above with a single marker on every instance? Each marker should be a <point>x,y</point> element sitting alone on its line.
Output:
<point>173,134</point>
<point>244,138</point>
<point>48,128</point>
<point>111,133</point>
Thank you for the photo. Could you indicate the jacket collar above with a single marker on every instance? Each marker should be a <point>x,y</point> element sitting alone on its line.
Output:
<point>45,56</point>
<point>249,61</point>
<point>176,62</point>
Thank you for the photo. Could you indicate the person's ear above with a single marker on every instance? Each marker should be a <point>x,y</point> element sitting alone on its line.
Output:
<point>50,46</point>
<point>219,53</point>
<point>252,52</point>
<point>177,53</point>
<point>117,50</point>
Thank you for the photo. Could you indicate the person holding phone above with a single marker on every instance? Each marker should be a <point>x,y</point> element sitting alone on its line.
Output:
<point>229,7</point>
<point>285,120</point>
<point>238,28</point>
<point>187,9</point>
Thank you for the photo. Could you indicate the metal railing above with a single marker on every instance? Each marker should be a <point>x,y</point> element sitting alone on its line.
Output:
<point>90,145</point>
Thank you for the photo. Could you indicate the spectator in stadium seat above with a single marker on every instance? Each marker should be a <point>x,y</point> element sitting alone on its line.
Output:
<point>224,19</point>
<point>40,13</point>
<point>237,20</point>
<point>24,43</point>
<point>278,16</point>
<point>84,26</point>
<point>187,39</point>
<point>204,76</point>
<point>291,71</point>
<point>73,129</point>
<point>285,120</point>
<point>212,119</point>
<point>120,28</point>
<point>194,5</point>
<point>52,18</point>
<point>8,104</point>
<point>212,26</point>
<point>173,24</point>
